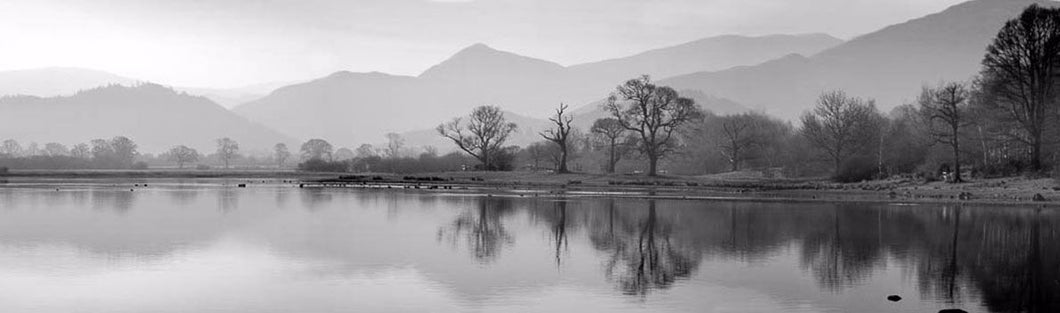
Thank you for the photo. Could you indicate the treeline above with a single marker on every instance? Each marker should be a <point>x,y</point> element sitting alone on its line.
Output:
<point>1003,122</point>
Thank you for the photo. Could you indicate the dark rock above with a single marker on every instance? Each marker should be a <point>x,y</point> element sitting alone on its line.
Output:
<point>1038,197</point>
<point>952,311</point>
<point>242,185</point>
<point>894,298</point>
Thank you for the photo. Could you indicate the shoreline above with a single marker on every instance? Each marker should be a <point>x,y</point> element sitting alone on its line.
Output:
<point>1014,191</point>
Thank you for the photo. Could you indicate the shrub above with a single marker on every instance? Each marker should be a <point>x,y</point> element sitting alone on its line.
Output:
<point>3,170</point>
<point>202,167</point>
<point>320,165</point>
<point>141,165</point>
<point>855,170</point>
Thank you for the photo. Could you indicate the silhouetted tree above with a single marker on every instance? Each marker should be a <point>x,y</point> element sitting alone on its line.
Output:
<point>280,153</point>
<point>394,144</point>
<point>839,125</point>
<point>227,149</point>
<point>81,151</point>
<point>1020,70</point>
<point>55,149</point>
<point>738,135</point>
<point>183,154</point>
<point>11,148</point>
<point>484,135</point>
<point>316,149</point>
<point>654,113</point>
<point>560,135</point>
<point>344,154</point>
<point>943,108</point>
<point>610,131</point>
<point>124,150</point>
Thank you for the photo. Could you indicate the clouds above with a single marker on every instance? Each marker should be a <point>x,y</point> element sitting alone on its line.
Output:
<point>234,42</point>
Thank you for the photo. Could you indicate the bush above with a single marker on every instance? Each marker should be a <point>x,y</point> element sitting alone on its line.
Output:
<point>141,165</point>
<point>855,170</point>
<point>320,165</point>
<point>3,170</point>
<point>202,167</point>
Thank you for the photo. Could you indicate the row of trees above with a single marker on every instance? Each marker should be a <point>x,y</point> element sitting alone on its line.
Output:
<point>1002,122</point>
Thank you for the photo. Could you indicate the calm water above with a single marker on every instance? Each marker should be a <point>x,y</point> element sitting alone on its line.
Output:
<point>203,247</point>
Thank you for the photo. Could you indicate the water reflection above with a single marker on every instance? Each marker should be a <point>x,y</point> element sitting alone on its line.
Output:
<point>475,253</point>
<point>644,256</point>
<point>482,229</point>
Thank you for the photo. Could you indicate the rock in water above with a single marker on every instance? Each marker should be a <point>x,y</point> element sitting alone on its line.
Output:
<point>953,311</point>
<point>894,298</point>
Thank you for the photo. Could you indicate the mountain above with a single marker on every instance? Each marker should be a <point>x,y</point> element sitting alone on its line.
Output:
<point>154,116</point>
<point>352,108</point>
<point>56,81</point>
<point>232,97</point>
<point>346,108</point>
<point>889,65</point>
<point>708,54</point>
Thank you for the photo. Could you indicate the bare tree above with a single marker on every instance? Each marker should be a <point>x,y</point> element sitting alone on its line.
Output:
<point>654,113</point>
<point>11,148</point>
<point>365,151</point>
<point>394,144</point>
<point>484,135</point>
<point>560,135</point>
<point>943,108</point>
<point>124,150</point>
<point>839,125</point>
<point>1020,70</point>
<point>737,136</point>
<point>55,149</point>
<point>316,149</point>
<point>610,131</point>
<point>81,151</point>
<point>227,149</point>
<point>281,154</point>
<point>183,154</point>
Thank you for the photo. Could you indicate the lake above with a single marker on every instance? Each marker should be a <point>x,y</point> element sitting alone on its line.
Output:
<point>207,246</point>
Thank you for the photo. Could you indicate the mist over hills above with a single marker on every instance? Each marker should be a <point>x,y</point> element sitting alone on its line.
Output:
<point>889,65</point>
<point>351,108</point>
<point>155,117</point>
<point>781,75</point>
<point>56,81</point>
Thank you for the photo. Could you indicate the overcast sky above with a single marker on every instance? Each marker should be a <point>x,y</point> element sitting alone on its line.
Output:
<point>229,43</point>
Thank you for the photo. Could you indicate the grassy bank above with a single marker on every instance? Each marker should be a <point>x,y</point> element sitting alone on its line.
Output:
<point>726,186</point>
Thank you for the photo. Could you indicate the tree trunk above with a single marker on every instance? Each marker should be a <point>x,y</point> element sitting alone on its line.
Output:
<point>611,160</point>
<point>1036,152</point>
<point>653,160</point>
<point>956,160</point>
<point>562,159</point>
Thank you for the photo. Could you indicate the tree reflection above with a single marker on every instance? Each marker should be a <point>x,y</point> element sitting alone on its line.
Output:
<point>482,229</point>
<point>843,249</point>
<point>644,258</point>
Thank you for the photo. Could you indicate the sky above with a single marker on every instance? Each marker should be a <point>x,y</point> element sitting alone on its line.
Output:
<point>233,43</point>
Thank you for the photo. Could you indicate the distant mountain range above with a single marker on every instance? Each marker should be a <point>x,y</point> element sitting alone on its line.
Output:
<point>780,74</point>
<point>155,117</point>
<point>352,108</point>
<point>889,65</point>
<point>65,81</point>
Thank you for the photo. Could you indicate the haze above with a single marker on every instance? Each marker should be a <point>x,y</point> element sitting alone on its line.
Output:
<point>227,43</point>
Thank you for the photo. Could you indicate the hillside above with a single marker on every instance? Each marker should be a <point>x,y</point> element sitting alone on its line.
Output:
<point>352,108</point>
<point>889,65</point>
<point>154,116</point>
